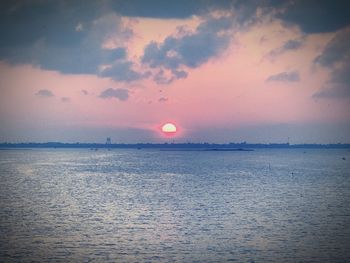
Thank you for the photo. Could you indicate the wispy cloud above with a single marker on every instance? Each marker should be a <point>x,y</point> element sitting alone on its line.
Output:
<point>292,76</point>
<point>45,93</point>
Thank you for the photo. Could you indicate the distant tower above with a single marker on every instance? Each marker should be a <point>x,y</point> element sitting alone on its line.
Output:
<point>108,141</point>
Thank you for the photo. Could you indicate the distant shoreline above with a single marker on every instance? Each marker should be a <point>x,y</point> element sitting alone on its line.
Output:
<point>176,146</point>
<point>208,149</point>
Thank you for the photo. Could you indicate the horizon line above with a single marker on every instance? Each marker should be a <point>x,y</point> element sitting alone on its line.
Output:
<point>169,145</point>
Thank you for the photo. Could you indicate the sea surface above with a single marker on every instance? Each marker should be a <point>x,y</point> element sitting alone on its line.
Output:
<point>268,205</point>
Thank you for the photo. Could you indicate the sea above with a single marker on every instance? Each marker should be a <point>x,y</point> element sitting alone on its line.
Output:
<point>149,205</point>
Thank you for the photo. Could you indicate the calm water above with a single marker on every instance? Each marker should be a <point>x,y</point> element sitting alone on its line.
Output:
<point>165,206</point>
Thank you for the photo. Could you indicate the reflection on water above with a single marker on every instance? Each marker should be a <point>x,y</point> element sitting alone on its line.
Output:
<point>129,206</point>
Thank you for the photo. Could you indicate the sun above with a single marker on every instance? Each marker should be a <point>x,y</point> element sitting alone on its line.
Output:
<point>169,128</point>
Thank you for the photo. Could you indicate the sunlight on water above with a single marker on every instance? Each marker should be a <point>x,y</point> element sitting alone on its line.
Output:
<point>130,205</point>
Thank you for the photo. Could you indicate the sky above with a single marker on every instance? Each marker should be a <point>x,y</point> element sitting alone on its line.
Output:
<point>222,71</point>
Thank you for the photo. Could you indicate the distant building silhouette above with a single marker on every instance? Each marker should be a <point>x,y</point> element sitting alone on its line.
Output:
<point>108,141</point>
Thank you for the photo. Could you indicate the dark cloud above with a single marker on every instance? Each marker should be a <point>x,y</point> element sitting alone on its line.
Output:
<point>337,50</point>
<point>315,16</point>
<point>121,94</point>
<point>74,60</point>
<point>65,99</point>
<point>292,76</point>
<point>44,33</point>
<point>190,50</point>
<point>336,57</point>
<point>133,8</point>
<point>85,92</point>
<point>24,22</point>
<point>45,93</point>
<point>169,9</point>
<point>66,36</point>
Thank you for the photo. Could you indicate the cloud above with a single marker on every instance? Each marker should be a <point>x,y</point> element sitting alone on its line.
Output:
<point>163,99</point>
<point>45,93</point>
<point>315,16</point>
<point>65,99</point>
<point>191,50</point>
<point>290,45</point>
<point>338,85</point>
<point>93,36</point>
<point>181,74</point>
<point>79,27</point>
<point>341,75</point>
<point>121,94</point>
<point>118,54</point>
<point>337,50</point>
<point>71,38</point>
<point>292,76</point>
<point>161,78</point>
<point>336,57</point>
<point>85,92</point>
<point>47,35</point>
<point>334,91</point>
<point>122,71</point>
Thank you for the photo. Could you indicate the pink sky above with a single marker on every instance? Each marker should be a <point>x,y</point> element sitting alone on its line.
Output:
<point>226,98</point>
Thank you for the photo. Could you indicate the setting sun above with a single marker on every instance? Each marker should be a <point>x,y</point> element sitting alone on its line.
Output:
<point>169,129</point>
